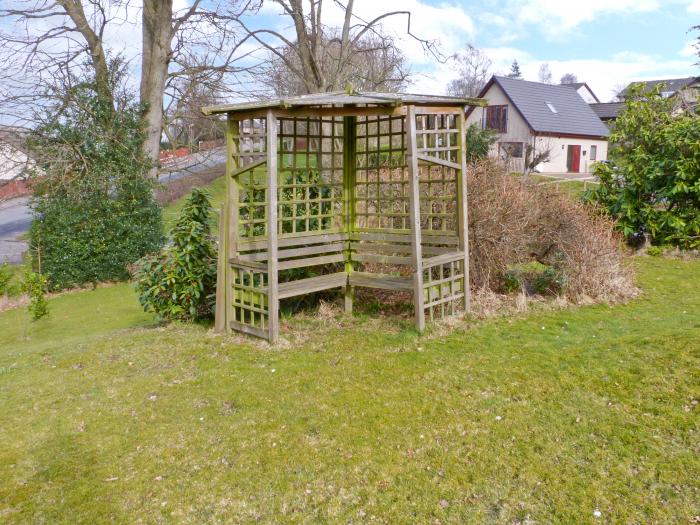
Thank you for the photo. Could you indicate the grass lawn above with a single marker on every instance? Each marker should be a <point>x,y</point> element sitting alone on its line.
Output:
<point>543,418</point>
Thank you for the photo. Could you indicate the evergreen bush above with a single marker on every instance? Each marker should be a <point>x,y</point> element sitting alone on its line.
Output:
<point>180,282</point>
<point>93,205</point>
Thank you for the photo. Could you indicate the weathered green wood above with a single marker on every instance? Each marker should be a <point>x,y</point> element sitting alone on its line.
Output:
<point>349,198</point>
<point>311,261</point>
<point>312,284</point>
<point>443,258</point>
<point>272,261</point>
<point>220,310</point>
<point>381,281</point>
<point>463,207</point>
<point>414,193</point>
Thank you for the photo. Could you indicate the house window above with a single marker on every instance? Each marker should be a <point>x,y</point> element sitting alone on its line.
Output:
<point>511,150</point>
<point>496,117</point>
<point>594,153</point>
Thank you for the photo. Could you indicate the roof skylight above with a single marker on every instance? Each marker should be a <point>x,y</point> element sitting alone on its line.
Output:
<point>551,107</point>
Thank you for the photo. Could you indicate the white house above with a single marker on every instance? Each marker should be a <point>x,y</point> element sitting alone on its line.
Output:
<point>535,120</point>
<point>14,157</point>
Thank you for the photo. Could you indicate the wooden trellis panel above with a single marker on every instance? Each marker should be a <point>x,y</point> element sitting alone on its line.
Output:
<point>381,181</point>
<point>443,285</point>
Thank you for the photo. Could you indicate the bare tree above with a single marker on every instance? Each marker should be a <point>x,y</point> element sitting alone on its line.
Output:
<point>76,39</point>
<point>537,152</point>
<point>474,70</point>
<point>375,64</point>
<point>568,78</point>
<point>544,74</point>
<point>306,55</point>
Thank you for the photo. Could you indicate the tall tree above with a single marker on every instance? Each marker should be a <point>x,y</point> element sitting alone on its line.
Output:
<point>374,64</point>
<point>34,56</point>
<point>568,78</point>
<point>515,70</point>
<point>307,54</point>
<point>544,74</point>
<point>473,66</point>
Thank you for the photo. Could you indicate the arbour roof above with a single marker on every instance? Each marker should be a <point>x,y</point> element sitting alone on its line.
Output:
<point>341,98</point>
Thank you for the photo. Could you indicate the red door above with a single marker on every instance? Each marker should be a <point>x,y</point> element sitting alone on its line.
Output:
<point>573,159</point>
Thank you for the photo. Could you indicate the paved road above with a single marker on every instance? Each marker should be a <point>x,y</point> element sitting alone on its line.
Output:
<point>15,216</point>
<point>15,219</point>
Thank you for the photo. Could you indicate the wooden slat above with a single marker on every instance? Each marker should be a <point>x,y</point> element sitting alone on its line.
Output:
<point>414,193</point>
<point>221,271</point>
<point>439,162</point>
<point>248,167</point>
<point>250,330</point>
<point>395,249</point>
<point>382,281</point>
<point>383,259</point>
<point>312,284</point>
<point>272,261</point>
<point>428,237</point>
<point>300,240</point>
<point>243,262</point>
<point>463,207</point>
<point>311,261</point>
<point>297,252</point>
<point>442,259</point>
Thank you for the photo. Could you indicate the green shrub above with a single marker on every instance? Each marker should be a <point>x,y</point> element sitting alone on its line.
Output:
<point>6,275</point>
<point>651,186</point>
<point>655,251</point>
<point>35,285</point>
<point>534,278</point>
<point>93,205</point>
<point>479,141</point>
<point>180,282</point>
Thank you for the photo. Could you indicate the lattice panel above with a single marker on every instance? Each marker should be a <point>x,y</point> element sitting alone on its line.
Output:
<point>443,289</point>
<point>438,191</point>
<point>252,202</point>
<point>381,181</point>
<point>250,142</point>
<point>250,304</point>
<point>310,175</point>
<point>437,136</point>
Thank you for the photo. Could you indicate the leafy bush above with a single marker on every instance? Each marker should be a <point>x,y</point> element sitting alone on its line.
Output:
<point>479,141</point>
<point>180,282</point>
<point>655,251</point>
<point>35,285</point>
<point>94,211</point>
<point>6,275</point>
<point>652,184</point>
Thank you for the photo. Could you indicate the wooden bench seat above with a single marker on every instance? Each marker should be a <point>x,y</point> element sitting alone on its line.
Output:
<point>312,284</point>
<point>381,281</point>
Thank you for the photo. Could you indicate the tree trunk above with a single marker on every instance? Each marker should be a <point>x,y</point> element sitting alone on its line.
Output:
<point>157,38</point>
<point>97,54</point>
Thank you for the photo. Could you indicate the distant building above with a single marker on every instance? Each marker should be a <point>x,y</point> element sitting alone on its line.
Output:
<point>686,90</point>
<point>15,158</point>
<point>608,111</point>
<point>585,91</point>
<point>534,118</point>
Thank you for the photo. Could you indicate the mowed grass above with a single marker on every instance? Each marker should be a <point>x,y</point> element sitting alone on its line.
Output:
<point>543,418</point>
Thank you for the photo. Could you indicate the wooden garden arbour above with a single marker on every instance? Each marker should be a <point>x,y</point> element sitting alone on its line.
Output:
<point>341,183</point>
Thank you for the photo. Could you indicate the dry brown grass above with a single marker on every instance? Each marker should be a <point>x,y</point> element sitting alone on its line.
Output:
<point>512,222</point>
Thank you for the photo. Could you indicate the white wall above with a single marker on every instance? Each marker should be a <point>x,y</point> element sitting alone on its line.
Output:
<point>558,147</point>
<point>586,95</point>
<point>519,131</point>
<point>12,162</point>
